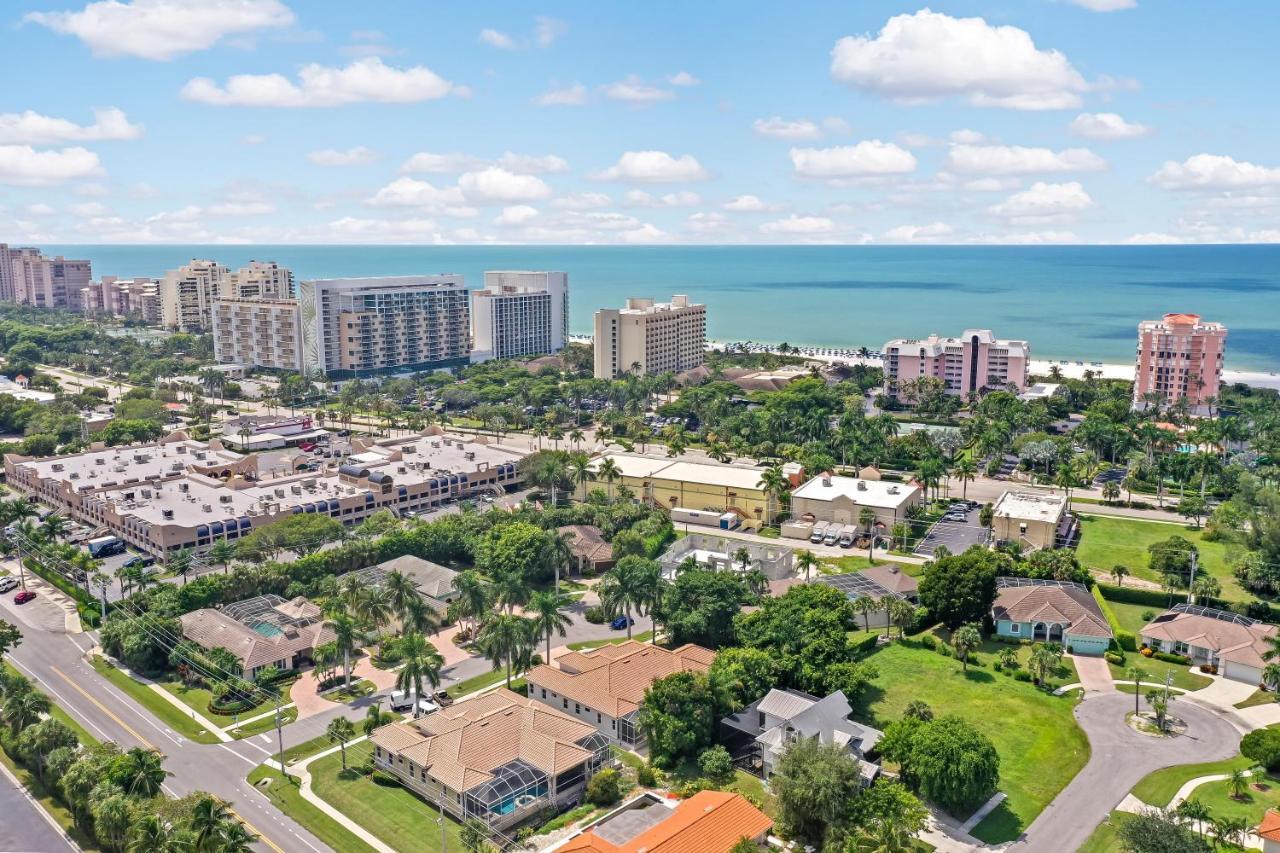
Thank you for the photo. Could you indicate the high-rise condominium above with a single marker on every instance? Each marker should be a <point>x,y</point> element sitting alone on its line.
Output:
<point>258,333</point>
<point>187,294</point>
<point>29,277</point>
<point>520,313</point>
<point>356,327</point>
<point>1179,357</point>
<point>649,337</point>
<point>967,364</point>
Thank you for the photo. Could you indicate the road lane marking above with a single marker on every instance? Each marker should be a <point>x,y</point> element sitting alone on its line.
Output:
<point>65,705</point>
<point>128,728</point>
<point>250,827</point>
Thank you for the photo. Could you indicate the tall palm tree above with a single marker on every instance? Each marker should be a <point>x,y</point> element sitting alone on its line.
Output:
<point>559,554</point>
<point>546,609</point>
<point>142,772</point>
<point>608,471</point>
<point>625,589</point>
<point>806,561</point>
<point>152,834</point>
<point>511,589</point>
<point>340,731</point>
<point>221,553</point>
<point>864,606</point>
<point>964,471</point>
<point>348,636</point>
<point>506,639</point>
<point>964,640</point>
<point>421,663</point>
<point>24,709</point>
<point>207,817</point>
<point>401,589</point>
<point>419,617</point>
<point>234,838</point>
<point>475,597</point>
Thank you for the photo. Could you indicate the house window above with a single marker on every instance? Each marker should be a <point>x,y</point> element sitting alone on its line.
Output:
<point>544,693</point>
<point>565,703</point>
<point>597,718</point>
<point>1180,648</point>
<point>1015,628</point>
<point>577,709</point>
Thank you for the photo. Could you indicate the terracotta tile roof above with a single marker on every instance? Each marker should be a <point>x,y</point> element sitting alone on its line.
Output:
<point>1065,605</point>
<point>893,579</point>
<point>613,678</point>
<point>1233,641</point>
<point>463,744</point>
<point>707,822</point>
<point>1270,826</point>
<point>586,541</point>
<point>210,629</point>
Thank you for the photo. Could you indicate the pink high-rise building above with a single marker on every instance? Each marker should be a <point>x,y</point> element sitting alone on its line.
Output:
<point>974,361</point>
<point>1179,356</point>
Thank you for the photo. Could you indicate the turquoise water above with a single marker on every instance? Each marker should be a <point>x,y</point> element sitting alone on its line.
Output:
<point>266,629</point>
<point>1080,302</point>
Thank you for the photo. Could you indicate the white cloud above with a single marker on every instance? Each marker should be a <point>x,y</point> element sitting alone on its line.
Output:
<point>992,185</point>
<point>1214,172</point>
<point>24,166</point>
<point>633,90</point>
<point>918,140</point>
<point>1027,238</point>
<point>919,233</point>
<point>965,136</point>
<point>85,209</point>
<point>868,158</point>
<point>640,198</point>
<point>357,230</point>
<point>600,221</point>
<point>498,185</point>
<point>1154,238</point>
<point>532,164</point>
<point>357,156</point>
<point>31,128</point>
<point>497,39</point>
<point>654,167</point>
<point>570,96</point>
<point>441,164</point>
<point>749,204</point>
<point>41,209</point>
<point>1107,126</point>
<point>322,86</point>
<point>928,55</point>
<point>242,208</point>
<point>646,233</point>
<point>1019,160</point>
<point>582,201</point>
<point>547,30</point>
<point>780,128</point>
<point>1044,202</point>
<point>707,222</point>
<point>410,192</point>
<point>1104,5</point>
<point>682,78</point>
<point>516,215</point>
<point>799,225</point>
<point>162,29</point>
<point>835,124</point>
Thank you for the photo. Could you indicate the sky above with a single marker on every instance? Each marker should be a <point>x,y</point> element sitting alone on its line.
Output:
<point>391,121</point>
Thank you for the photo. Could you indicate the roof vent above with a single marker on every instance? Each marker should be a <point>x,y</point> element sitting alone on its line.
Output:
<point>862,485</point>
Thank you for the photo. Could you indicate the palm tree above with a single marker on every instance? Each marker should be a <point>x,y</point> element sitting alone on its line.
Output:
<point>608,471</point>
<point>142,773</point>
<point>24,709</point>
<point>207,818</point>
<point>475,596</point>
<point>419,617</point>
<point>1041,663</point>
<point>505,639</point>
<point>1110,491</point>
<point>865,605</point>
<point>401,589</point>
<point>421,662</point>
<point>348,636</point>
<point>221,553</point>
<point>234,838</point>
<point>473,835</point>
<point>867,519</point>
<point>1119,573</point>
<point>1135,675</point>
<point>1238,783</point>
<point>511,589</point>
<point>181,563</point>
<point>901,613</point>
<point>774,483</point>
<point>964,640</point>
<point>743,556</point>
<point>340,731</point>
<point>624,589</point>
<point>54,527</point>
<point>546,609</point>
<point>559,554</point>
<point>806,561</point>
<point>965,471</point>
<point>376,719</point>
<point>152,834</point>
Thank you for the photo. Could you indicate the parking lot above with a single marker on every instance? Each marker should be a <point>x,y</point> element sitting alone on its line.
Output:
<point>956,536</point>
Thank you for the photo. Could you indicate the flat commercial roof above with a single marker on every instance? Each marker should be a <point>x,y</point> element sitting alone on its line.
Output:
<point>875,493</point>
<point>706,473</point>
<point>137,462</point>
<point>1031,506</point>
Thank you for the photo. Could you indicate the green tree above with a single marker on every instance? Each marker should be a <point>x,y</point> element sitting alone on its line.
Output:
<point>340,731</point>
<point>140,772</point>
<point>947,759</point>
<point>605,787</point>
<point>964,640</point>
<point>624,589</point>
<point>546,609</point>
<point>678,716</point>
<point>699,607</point>
<point>421,663</point>
<point>743,675</point>
<point>960,588</point>
<point>815,784</point>
<point>507,640</point>
<point>889,818</point>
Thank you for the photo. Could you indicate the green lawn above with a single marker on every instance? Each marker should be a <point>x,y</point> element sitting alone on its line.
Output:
<point>396,816</point>
<point>1104,838</point>
<point>1158,788</point>
<point>1155,672</point>
<point>989,653</point>
<point>1130,615</point>
<point>357,690</point>
<point>162,709</point>
<point>642,637</point>
<point>285,796</point>
<point>1259,697</point>
<point>1040,746</point>
<point>477,682</point>
<point>1217,797</point>
<point>199,699</point>
<point>257,727</point>
<point>856,563</point>
<point>1106,541</point>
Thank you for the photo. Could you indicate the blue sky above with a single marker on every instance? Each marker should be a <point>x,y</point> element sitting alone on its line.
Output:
<point>268,121</point>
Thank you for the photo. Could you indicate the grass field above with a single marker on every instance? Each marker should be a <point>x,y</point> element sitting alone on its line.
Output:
<point>1104,838</point>
<point>285,796</point>
<point>1216,796</point>
<point>1040,746</point>
<point>1155,672</point>
<point>1107,541</point>
<point>1158,788</point>
<point>856,563</point>
<point>199,699</point>
<point>265,724</point>
<point>162,709</point>
<point>1259,697</point>
<point>1130,616</point>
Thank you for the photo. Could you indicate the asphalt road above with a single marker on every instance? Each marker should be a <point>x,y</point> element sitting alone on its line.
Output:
<point>25,826</point>
<point>1119,758</point>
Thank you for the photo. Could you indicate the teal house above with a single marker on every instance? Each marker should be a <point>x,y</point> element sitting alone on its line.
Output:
<point>1050,611</point>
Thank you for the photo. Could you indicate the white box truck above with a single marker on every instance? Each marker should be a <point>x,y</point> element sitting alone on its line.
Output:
<point>819,532</point>
<point>847,534</point>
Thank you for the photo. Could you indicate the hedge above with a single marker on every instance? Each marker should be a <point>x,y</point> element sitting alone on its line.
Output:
<point>1131,595</point>
<point>863,646</point>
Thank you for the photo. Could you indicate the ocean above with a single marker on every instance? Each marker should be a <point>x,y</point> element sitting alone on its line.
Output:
<point>1080,302</point>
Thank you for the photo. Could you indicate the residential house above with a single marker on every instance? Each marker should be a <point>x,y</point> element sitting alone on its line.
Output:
<point>707,822</point>
<point>1050,611</point>
<point>1269,831</point>
<point>605,686</point>
<point>261,632</point>
<point>1233,643</point>
<point>762,732</point>
<point>592,555</point>
<point>498,758</point>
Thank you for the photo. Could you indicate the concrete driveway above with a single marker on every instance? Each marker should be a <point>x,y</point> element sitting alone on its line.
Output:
<point>1119,758</point>
<point>1094,674</point>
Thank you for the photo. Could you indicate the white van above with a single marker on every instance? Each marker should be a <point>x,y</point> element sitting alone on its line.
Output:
<point>819,531</point>
<point>833,535</point>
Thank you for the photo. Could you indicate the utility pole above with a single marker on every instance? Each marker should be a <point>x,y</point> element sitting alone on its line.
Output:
<point>280,737</point>
<point>1195,555</point>
<point>444,835</point>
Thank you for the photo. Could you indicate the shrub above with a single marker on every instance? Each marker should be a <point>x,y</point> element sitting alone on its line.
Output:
<point>1148,615</point>
<point>647,776</point>
<point>1263,746</point>
<point>1209,668</point>
<point>1168,657</point>
<point>716,764</point>
<point>605,788</point>
<point>1114,658</point>
<point>385,779</point>
<point>928,641</point>
<point>1126,640</point>
<point>864,646</point>
<point>1147,651</point>
<point>944,650</point>
<point>595,615</point>
<point>997,667</point>
<point>1022,675</point>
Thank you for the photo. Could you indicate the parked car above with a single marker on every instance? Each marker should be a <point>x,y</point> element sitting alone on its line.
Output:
<point>138,561</point>
<point>307,446</point>
<point>24,596</point>
<point>442,698</point>
<point>621,622</point>
<point>7,583</point>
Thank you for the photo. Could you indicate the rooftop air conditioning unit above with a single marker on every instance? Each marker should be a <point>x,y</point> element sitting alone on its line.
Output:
<point>296,489</point>
<point>146,493</point>
<point>862,485</point>
<point>226,499</point>
<point>129,496</point>
<point>184,487</point>
<point>893,490</point>
<point>279,493</point>
<point>167,514</point>
<point>99,460</point>
<point>401,469</point>
<point>75,476</point>
<point>57,466</point>
<point>206,507</point>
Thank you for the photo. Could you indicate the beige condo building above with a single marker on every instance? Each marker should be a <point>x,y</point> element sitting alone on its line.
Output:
<point>258,333</point>
<point>188,293</point>
<point>29,277</point>
<point>648,337</point>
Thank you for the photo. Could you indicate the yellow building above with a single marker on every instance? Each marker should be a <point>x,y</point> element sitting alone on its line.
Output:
<point>699,485</point>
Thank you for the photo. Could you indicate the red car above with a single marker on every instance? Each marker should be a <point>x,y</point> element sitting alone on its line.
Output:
<point>307,446</point>
<point>24,596</point>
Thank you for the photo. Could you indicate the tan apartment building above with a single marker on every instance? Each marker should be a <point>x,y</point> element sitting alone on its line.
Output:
<point>123,297</point>
<point>1179,357</point>
<point>498,758</point>
<point>604,687</point>
<point>258,333</point>
<point>31,278</point>
<point>974,361</point>
<point>361,327</point>
<point>648,337</point>
<point>518,313</point>
<point>178,493</point>
<point>1032,519</point>
<point>258,280</point>
<point>187,294</point>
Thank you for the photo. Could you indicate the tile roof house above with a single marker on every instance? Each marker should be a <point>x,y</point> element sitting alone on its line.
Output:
<point>591,554</point>
<point>605,686</point>
<point>1269,831</point>
<point>499,757</point>
<point>707,822</point>
<point>1052,611</point>
<point>894,580</point>
<point>1234,643</point>
<point>763,731</point>
<point>285,646</point>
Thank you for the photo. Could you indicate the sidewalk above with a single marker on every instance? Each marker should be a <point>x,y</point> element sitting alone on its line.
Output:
<point>186,709</point>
